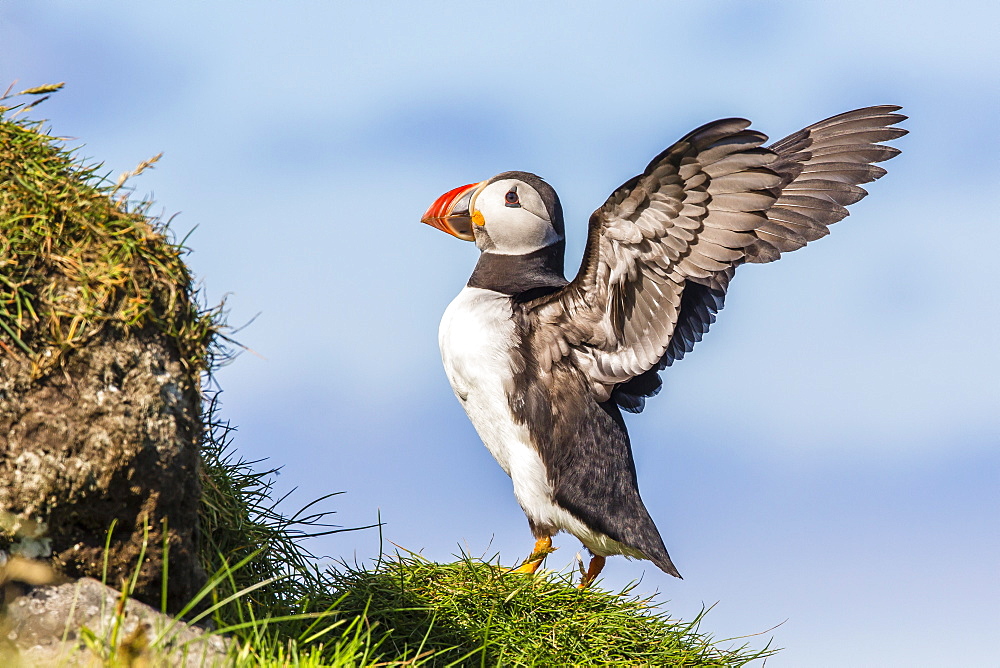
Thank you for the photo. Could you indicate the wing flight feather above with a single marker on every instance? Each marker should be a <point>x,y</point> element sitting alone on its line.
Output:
<point>664,246</point>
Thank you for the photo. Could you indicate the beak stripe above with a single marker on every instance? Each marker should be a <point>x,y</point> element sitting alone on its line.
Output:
<point>450,212</point>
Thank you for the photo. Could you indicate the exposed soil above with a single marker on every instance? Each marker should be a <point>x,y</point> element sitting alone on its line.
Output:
<point>109,435</point>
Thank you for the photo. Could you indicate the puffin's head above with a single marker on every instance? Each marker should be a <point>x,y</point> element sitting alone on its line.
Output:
<point>513,213</point>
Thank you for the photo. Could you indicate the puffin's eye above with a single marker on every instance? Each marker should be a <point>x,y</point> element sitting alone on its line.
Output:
<point>511,198</point>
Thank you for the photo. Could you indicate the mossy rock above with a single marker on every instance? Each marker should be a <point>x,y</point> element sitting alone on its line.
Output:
<point>102,347</point>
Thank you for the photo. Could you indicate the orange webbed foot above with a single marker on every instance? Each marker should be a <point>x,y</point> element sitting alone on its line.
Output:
<point>596,566</point>
<point>543,548</point>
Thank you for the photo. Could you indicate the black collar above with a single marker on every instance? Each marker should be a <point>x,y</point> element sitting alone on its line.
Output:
<point>516,274</point>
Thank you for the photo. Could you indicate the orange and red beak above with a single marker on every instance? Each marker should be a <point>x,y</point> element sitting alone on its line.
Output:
<point>450,212</point>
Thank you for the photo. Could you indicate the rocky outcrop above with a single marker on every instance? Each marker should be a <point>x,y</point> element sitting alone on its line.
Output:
<point>102,348</point>
<point>85,623</point>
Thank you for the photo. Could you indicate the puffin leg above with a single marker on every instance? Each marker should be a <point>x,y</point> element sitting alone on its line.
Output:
<point>543,548</point>
<point>595,568</point>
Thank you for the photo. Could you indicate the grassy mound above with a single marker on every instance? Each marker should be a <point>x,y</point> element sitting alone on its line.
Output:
<point>410,611</point>
<point>475,613</point>
<point>79,260</point>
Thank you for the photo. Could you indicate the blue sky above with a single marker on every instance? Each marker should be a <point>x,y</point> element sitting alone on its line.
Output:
<point>826,458</point>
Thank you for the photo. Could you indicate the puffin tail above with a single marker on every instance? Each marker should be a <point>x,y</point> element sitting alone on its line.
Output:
<point>650,544</point>
<point>662,561</point>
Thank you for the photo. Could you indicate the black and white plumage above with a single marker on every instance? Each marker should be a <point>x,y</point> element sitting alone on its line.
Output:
<point>544,366</point>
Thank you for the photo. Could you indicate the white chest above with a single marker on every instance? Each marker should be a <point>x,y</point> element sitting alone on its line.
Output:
<point>476,338</point>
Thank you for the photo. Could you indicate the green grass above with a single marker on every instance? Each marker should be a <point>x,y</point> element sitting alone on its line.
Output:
<point>79,260</point>
<point>476,613</point>
<point>270,594</point>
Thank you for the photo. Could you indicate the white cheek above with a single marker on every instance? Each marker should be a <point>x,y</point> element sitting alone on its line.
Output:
<point>518,231</point>
<point>522,236</point>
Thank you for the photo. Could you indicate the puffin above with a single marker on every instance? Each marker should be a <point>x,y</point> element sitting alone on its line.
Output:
<point>544,367</point>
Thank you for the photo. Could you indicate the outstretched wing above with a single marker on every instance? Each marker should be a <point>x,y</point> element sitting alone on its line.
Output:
<point>662,250</point>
